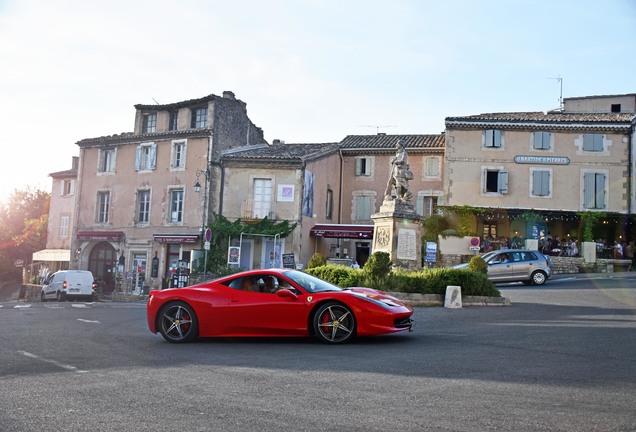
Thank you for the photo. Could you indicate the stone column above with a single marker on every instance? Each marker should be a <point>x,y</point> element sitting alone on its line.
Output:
<point>398,231</point>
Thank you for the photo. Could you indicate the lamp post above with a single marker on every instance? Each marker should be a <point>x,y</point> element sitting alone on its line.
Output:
<point>197,188</point>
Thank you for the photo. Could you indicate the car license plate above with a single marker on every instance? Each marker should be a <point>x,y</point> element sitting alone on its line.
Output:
<point>74,290</point>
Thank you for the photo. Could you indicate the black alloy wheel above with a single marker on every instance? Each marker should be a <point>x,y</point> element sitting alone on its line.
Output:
<point>334,323</point>
<point>177,322</point>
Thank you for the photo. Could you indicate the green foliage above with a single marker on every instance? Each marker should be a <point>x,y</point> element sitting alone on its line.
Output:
<point>466,216</point>
<point>316,260</point>
<point>588,221</point>
<point>222,230</point>
<point>378,266</point>
<point>23,228</point>
<point>427,281</point>
<point>434,226</point>
<point>477,264</point>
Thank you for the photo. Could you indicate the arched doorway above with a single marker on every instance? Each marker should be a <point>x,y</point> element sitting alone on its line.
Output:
<point>101,262</point>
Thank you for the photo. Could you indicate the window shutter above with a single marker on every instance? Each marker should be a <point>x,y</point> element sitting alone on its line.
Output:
<point>600,191</point>
<point>358,166</point>
<point>419,205</point>
<point>153,156</point>
<point>488,138</point>
<point>536,183</point>
<point>138,158</point>
<point>588,190</point>
<point>503,181</point>
<point>598,142</point>
<point>497,138</point>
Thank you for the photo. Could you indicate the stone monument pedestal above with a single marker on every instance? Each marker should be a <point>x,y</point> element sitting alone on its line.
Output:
<point>398,231</point>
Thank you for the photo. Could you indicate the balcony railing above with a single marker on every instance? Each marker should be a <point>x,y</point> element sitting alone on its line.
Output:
<point>249,212</point>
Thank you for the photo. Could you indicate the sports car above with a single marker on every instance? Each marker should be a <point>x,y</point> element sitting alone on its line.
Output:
<point>274,302</point>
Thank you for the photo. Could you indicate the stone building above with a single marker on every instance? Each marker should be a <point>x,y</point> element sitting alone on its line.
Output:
<point>137,212</point>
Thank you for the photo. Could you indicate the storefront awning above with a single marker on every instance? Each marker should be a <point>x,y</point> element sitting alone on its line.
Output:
<point>100,235</point>
<point>52,255</point>
<point>343,231</point>
<point>176,238</point>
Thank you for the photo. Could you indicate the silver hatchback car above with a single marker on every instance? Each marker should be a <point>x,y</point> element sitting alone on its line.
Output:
<point>517,265</point>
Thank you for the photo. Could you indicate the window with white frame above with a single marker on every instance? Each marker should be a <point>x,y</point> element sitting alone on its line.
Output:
<point>199,118</point>
<point>103,207</point>
<point>178,154</point>
<point>362,207</point>
<point>493,138</point>
<point>542,140</point>
<point>432,166</point>
<point>143,206</point>
<point>68,187</point>
<point>593,142</point>
<point>64,223</point>
<point>541,183</point>
<point>364,166</point>
<point>495,180</point>
<point>149,123</point>
<point>594,190</point>
<point>426,205</point>
<point>107,160</point>
<point>176,206</point>
<point>146,157</point>
<point>262,198</point>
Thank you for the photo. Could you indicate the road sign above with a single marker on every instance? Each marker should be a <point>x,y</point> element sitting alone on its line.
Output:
<point>206,245</point>
<point>208,235</point>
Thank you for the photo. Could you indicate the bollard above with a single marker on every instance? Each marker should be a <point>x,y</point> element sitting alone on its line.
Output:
<point>453,298</point>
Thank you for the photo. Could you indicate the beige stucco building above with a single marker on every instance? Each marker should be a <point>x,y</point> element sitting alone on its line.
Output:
<point>553,164</point>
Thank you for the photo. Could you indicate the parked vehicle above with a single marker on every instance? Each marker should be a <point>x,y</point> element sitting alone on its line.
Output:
<point>274,302</point>
<point>69,284</point>
<point>517,265</point>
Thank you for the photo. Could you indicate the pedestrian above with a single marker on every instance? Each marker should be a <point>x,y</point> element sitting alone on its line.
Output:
<point>631,253</point>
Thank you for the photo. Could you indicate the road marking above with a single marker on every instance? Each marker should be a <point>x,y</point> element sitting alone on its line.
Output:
<point>53,362</point>
<point>21,306</point>
<point>81,305</point>
<point>88,321</point>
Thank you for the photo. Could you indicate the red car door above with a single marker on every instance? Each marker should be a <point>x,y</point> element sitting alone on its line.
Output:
<point>266,314</point>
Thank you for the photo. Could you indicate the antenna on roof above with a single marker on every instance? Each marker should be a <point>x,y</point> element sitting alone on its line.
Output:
<point>377,127</point>
<point>155,101</point>
<point>560,81</point>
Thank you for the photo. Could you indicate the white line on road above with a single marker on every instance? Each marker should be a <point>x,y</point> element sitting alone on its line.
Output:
<point>88,321</point>
<point>53,362</point>
<point>21,306</point>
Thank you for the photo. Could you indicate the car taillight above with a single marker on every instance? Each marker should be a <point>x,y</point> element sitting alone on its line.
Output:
<point>64,285</point>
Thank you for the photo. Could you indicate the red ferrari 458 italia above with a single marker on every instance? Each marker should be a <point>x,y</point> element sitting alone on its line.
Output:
<point>274,302</point>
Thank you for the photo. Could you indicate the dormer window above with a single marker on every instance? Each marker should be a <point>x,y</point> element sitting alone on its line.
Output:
<point>149,123</point>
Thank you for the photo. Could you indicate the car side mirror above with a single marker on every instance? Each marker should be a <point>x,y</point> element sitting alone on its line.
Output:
<point>285,293</point>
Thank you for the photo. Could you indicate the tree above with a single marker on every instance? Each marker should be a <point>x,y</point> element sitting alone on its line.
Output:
<point>23,228</point>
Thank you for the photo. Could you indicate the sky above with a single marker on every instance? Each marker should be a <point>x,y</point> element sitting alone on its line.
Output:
<point>309,71</point>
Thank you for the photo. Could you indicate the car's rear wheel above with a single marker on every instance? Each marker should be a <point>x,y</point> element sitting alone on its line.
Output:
<point>178,322</point>
<point>42,297</point>
<point>334,323</point>
<point>59,297</point>
<point>538,277</point>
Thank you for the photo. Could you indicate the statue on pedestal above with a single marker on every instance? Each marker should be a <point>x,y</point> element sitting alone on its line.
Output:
<point>400,176</point>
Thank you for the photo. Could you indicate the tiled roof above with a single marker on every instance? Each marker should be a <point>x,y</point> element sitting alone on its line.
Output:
<point>64,174</point>
<point>186,103</point>
<point>281,152</point>
<point>554,118</point>
<point>128,137</point>
<point>383,142</point>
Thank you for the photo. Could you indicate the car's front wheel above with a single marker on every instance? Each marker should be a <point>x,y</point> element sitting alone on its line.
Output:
<point>178,322</point>
<point>334,323</point>
<point>538,277</point>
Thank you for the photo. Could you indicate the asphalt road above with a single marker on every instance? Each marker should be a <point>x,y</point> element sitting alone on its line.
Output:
<point>561,358</point>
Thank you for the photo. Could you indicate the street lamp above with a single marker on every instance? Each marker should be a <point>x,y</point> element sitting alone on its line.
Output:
<point>197,188</point>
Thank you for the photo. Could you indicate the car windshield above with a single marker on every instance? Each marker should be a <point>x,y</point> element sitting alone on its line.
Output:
<point>489,255</point>
<point>310,283</point>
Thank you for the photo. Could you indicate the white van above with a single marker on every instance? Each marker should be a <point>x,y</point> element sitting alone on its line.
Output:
<point>68,284</point>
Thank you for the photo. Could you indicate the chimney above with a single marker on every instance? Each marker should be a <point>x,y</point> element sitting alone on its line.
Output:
<point>229,95</point>
<point>277,141</point>
<point>75,162</point>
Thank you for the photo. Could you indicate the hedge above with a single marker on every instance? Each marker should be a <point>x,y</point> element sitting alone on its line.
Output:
<point>426,281</point>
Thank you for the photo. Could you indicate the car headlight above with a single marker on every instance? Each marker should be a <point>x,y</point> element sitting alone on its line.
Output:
<point>384,302</point>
